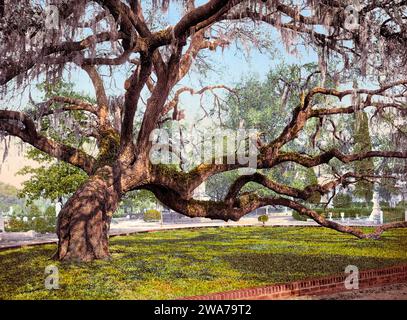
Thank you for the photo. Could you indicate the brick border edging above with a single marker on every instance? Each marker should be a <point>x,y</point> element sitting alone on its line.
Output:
<point>320,286</point>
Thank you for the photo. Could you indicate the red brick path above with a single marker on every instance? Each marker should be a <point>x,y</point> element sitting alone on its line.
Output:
<point>326,285</point>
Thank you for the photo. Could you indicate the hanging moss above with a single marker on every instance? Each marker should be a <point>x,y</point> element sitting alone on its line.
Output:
<point>109,145</point>
<point>247,199</point>
<point>172,171</point>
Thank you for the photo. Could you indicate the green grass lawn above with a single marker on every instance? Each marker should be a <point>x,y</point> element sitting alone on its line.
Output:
<point>172,264</point>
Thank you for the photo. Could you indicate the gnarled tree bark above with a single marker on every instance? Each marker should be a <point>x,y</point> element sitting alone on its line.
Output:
<point>84,221</point>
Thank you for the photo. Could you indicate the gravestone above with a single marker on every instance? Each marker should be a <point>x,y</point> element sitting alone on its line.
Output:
<point>377,214</point>
<point>1,222</point>
<point>405,215</point>
<point>58,207</point>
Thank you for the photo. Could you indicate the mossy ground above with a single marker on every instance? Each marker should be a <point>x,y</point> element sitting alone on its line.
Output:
<point>172,264</point>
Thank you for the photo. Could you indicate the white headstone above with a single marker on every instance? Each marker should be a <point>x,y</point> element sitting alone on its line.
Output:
<point>377,214</point>
<point>25,219</point>
<point>405,215</point>
<point>343,216</point>
<point>58,207</point>
<point>1,223</point>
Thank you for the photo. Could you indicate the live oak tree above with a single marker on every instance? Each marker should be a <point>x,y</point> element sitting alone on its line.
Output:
<point>367,39</point>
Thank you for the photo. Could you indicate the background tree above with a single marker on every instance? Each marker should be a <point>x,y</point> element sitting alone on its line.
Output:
<point>8,197</point>
<point>52,180</point>
<point>342,200</point>
<point>115,37</point>
<point>138,201</point>
<point>362,143</point>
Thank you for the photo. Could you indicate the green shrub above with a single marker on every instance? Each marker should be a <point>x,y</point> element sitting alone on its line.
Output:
<point>393,214</point>
<point>152,215</point>
<point>263,218</point>
<point>41,223</point>
<point>16,225</point>
<point>299,217</point>
<point>389,214</point>
<point>349,212</point>
<point>402,204</point>
<point>33,211</point>
<point>384,204</point>
<point>342,200</point>
<point>50,212</point>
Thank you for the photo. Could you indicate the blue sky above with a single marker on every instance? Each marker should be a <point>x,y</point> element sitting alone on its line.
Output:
<point>231,66</point>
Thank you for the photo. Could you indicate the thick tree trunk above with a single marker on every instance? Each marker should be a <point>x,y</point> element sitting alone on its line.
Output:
<point>84,221</point>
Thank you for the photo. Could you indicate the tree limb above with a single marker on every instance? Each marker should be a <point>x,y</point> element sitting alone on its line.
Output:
<point>20,125</point>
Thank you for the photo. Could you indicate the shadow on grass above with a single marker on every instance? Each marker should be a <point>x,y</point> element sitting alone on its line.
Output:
<point>272,268</point>
<point>188,262</point>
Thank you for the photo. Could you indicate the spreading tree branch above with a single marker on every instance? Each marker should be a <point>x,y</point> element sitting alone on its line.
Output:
<point>20,125</point>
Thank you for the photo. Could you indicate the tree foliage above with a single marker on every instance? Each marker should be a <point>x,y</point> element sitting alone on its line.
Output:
<point>51,180</point>
<point>8,197</point>
<point>362,143</point>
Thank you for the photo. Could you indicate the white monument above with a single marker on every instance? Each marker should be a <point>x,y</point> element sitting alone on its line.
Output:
<point>377,214</point>
<point>287,212</point>
<point>1,222</point>
<point>405,215</point>
<point>58,207</point>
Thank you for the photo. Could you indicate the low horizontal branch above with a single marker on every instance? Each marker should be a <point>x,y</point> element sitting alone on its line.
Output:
<point>20,125</point>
